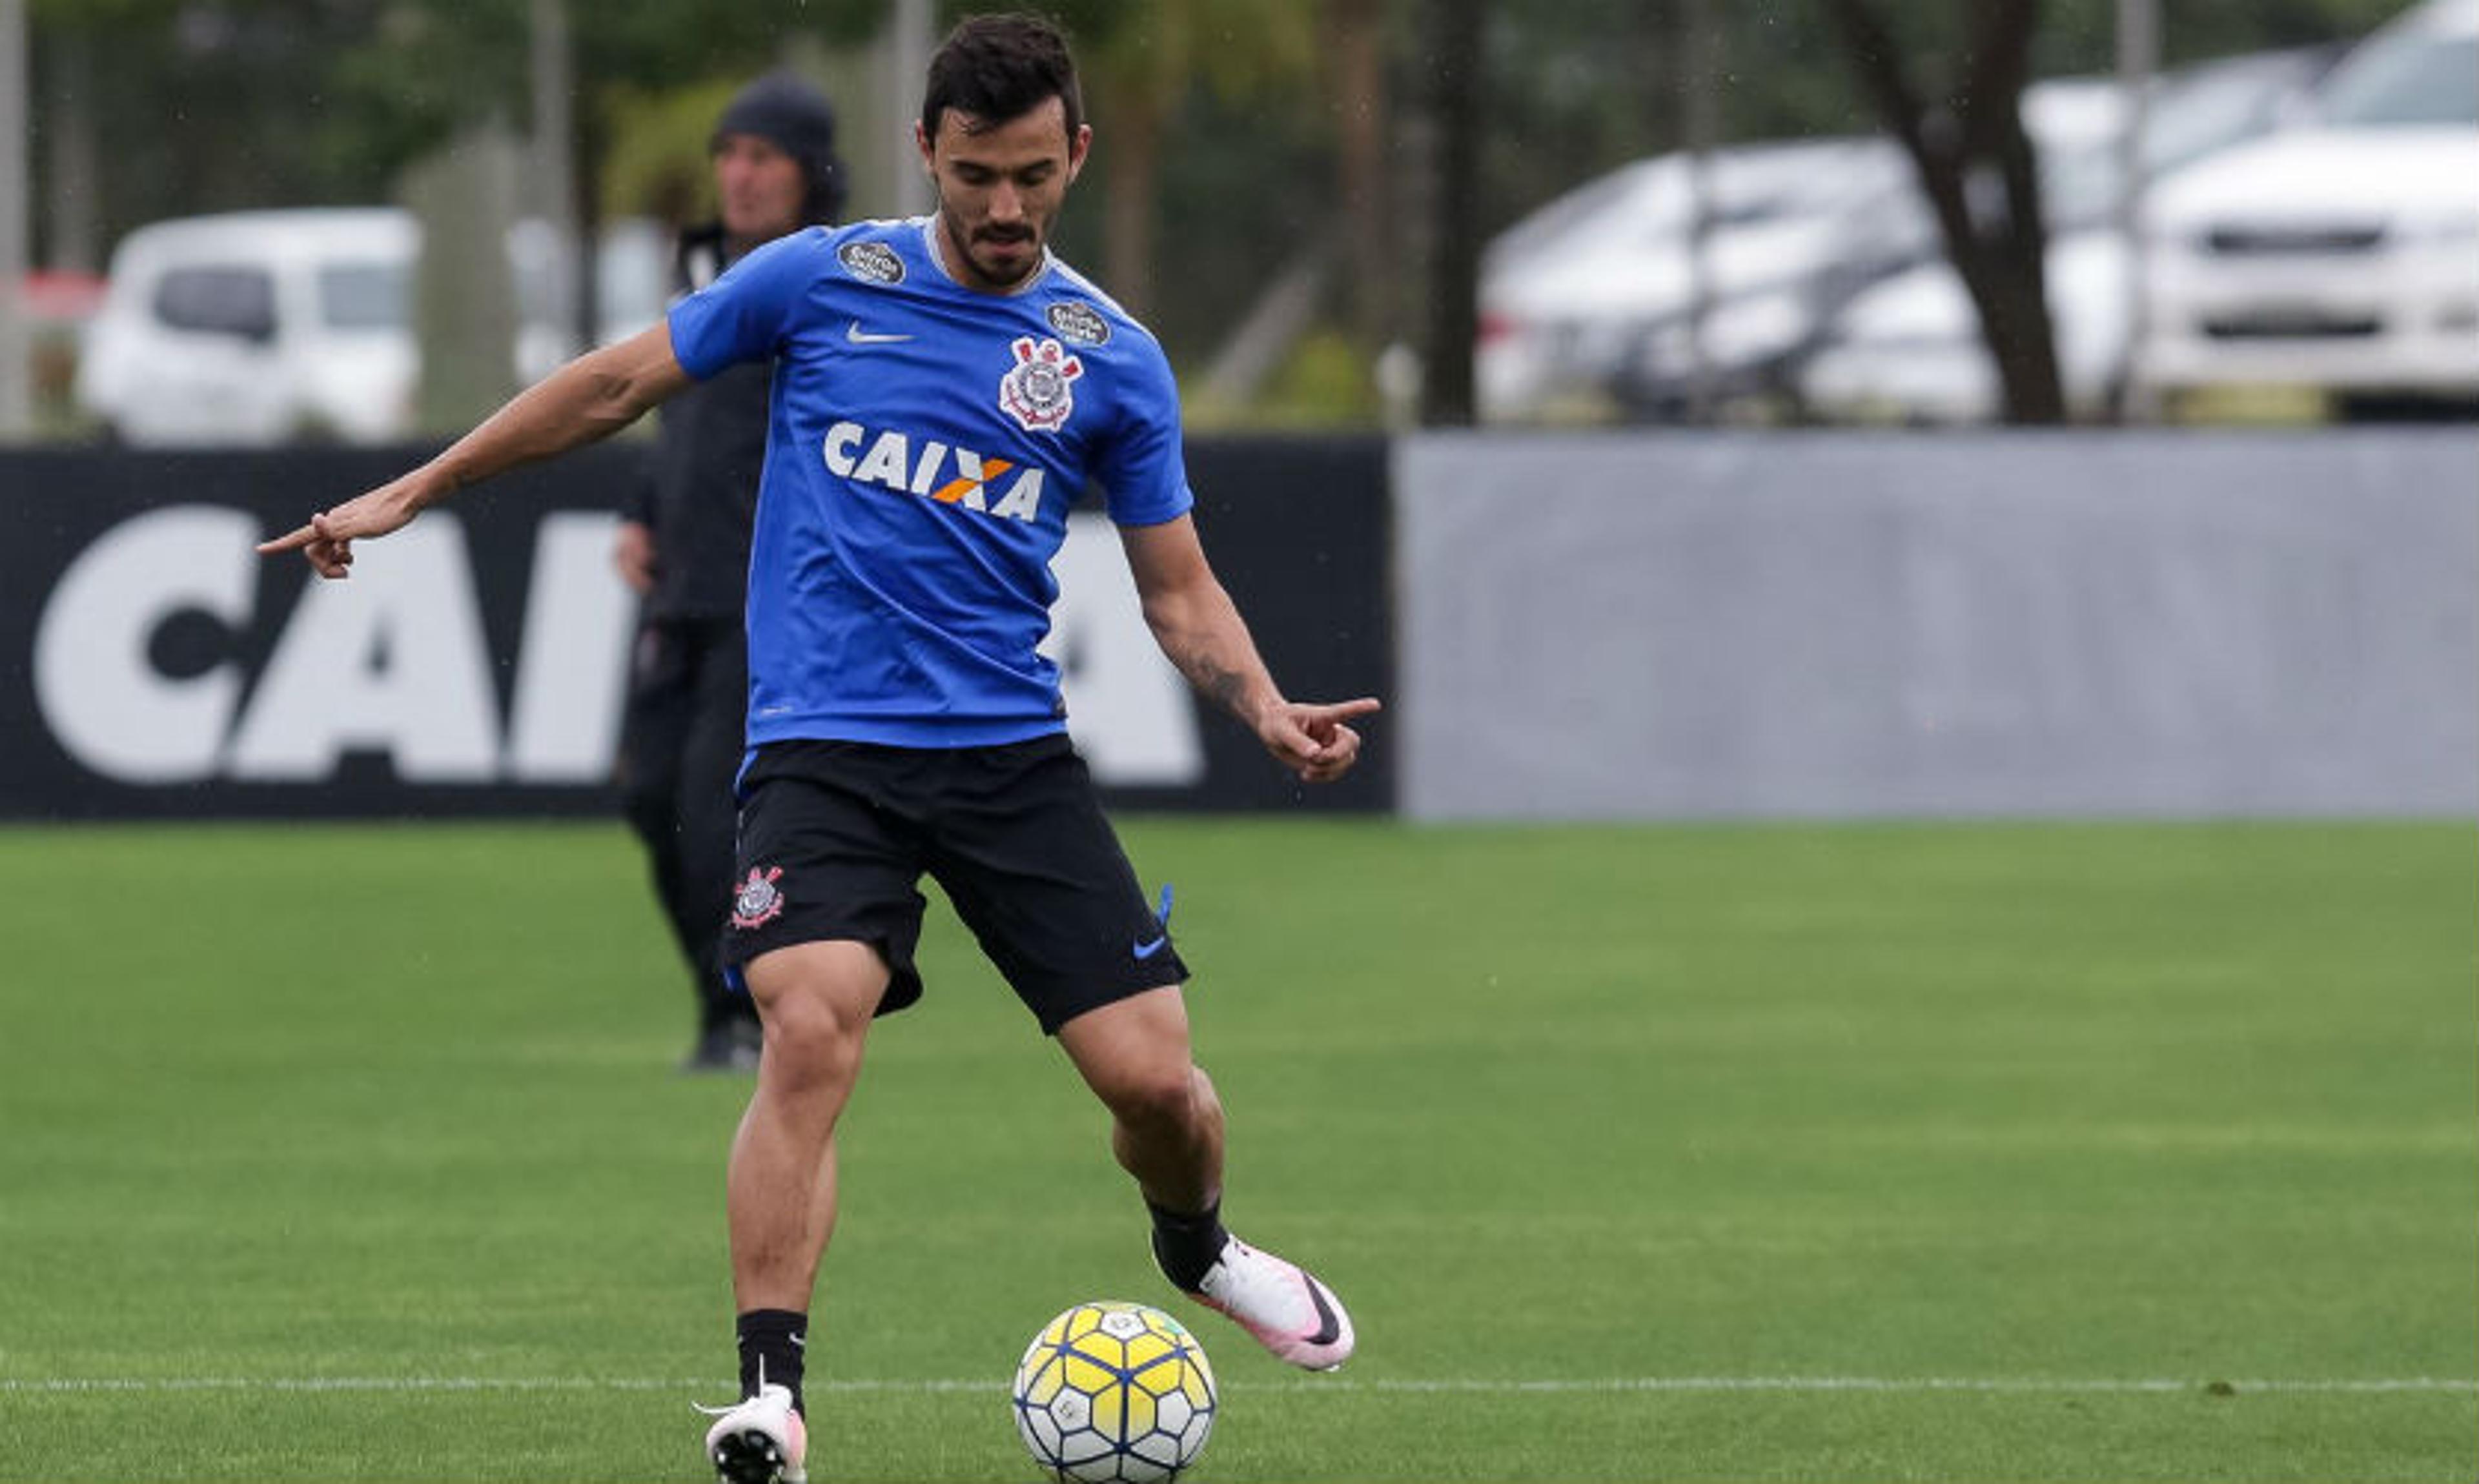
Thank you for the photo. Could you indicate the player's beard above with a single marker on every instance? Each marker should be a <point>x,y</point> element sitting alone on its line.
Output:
<point>996,274</point>
<point>1021,248</point>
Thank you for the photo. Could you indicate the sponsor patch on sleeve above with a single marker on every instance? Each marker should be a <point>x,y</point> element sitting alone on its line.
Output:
<point>871,262</point>
<point>1078,322</point>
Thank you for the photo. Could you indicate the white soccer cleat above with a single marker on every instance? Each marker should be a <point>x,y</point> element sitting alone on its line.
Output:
<point>761,1441</point>
<point>1281,1303</point>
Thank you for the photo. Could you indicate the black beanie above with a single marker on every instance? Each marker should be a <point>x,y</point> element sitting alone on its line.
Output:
<point>795,118</point>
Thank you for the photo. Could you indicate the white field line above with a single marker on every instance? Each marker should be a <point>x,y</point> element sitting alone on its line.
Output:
<point>2029,1386</point>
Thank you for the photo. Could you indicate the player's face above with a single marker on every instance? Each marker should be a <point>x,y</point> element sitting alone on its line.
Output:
<point>759,187</point>
<point>1000,188</point>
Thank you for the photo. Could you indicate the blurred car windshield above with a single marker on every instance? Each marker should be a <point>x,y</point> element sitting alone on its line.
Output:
<point>1651,204</point>
<point>2194,114</point>
<point>2219,104</point>
<point>216,299</point>
<point>2410,80</point>
<point>366,295</point>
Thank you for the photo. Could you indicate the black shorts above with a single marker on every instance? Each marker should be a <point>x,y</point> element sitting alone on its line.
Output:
<point>835,837</point>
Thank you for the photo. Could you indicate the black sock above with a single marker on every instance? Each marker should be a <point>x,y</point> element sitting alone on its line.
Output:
<point>774,1339</point>
<point>1186,1245</point>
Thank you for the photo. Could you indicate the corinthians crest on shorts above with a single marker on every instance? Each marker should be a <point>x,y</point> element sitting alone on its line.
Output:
<point>1035,388</point>
<point>757,903</point>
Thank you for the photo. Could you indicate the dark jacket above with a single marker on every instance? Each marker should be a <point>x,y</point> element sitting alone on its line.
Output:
<point>699,494</point>
<point>700,490</point>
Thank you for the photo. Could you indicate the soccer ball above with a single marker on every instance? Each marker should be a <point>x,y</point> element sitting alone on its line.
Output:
<point>1112,1392</point>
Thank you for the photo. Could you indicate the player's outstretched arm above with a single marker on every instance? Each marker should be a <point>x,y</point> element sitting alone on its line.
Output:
<point>592,397</point>
<point>1200,629</point>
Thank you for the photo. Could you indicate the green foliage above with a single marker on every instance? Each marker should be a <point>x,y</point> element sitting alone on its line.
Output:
<point>1240,50</point>
<point>657,163</point>
<point>390,1109</point>
<point>436,68</point>
<point>1242,188</point>
<point>2217,28</point>
<point>209,105</point>
<point>1325,383</point>
<point>201,107</point>
<point>213,104</point>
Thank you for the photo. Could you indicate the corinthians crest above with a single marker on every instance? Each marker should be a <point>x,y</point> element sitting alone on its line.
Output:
<point>1034,390</point>
<point>757,902</point>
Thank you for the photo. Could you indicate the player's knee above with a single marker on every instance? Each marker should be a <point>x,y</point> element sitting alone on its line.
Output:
<point>811,1039</point>
<point>1158,1095</point>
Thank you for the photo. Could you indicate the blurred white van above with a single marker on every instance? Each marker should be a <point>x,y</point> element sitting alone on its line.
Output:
<point>2342,254</point>
<point>257,327</point>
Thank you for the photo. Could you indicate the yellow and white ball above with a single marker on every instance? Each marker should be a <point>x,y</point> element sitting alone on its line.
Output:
<point>1114,1392</point>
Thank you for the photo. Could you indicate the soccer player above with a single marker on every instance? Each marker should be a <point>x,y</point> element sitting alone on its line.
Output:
<point>684,549</point>
<point>944,389</point>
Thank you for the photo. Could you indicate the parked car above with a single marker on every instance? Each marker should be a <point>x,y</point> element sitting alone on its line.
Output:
<point>1909,348</point>
<point>1589,300</point>
<point>254,329</point>
<point>2342,254</point>
<point>257,327</point>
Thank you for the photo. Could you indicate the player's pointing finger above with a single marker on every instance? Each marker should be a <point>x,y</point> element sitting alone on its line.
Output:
<point>292,540</point>
<point>1346,710</point>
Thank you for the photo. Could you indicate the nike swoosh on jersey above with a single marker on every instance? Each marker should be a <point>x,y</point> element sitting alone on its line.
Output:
<point>860,337</point>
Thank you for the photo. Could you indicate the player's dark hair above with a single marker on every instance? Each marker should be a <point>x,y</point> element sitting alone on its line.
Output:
<point>1001,67</point>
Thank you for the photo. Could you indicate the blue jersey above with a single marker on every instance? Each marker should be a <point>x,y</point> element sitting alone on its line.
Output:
<point>927,440</point>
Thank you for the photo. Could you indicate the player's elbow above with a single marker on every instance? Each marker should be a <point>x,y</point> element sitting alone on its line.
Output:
<point>615,393</point>
<point>1161,612</point>
<point>619,383</point>
<point>1176,620</point>
<point>1180,602</point>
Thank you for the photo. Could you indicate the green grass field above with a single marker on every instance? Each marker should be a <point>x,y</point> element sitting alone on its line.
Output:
<point>1847,1154</point>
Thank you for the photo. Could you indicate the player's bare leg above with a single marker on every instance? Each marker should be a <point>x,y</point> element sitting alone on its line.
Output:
<point>815,1001</point>
<point>1166,1123</point>
<point>1166,1130</point>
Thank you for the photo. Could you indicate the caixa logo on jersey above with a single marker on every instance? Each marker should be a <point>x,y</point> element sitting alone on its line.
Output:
<point>163,654</point>
<point>954,477</point>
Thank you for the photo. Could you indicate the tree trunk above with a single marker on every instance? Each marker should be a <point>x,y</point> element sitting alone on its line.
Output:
<point>1979,173</point>
<point>1357,43</point>
<point>2013,290</point>
<point>1696,67</point>
<point>73,172</point>
<point>1131,159</point>
<point>1457,110</point>
<point>591,148</point>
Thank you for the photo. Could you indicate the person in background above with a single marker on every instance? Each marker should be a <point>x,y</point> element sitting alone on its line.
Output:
<point>684,548</point>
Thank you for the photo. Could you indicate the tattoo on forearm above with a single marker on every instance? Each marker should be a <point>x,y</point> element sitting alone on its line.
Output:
<point>1225,687</point>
